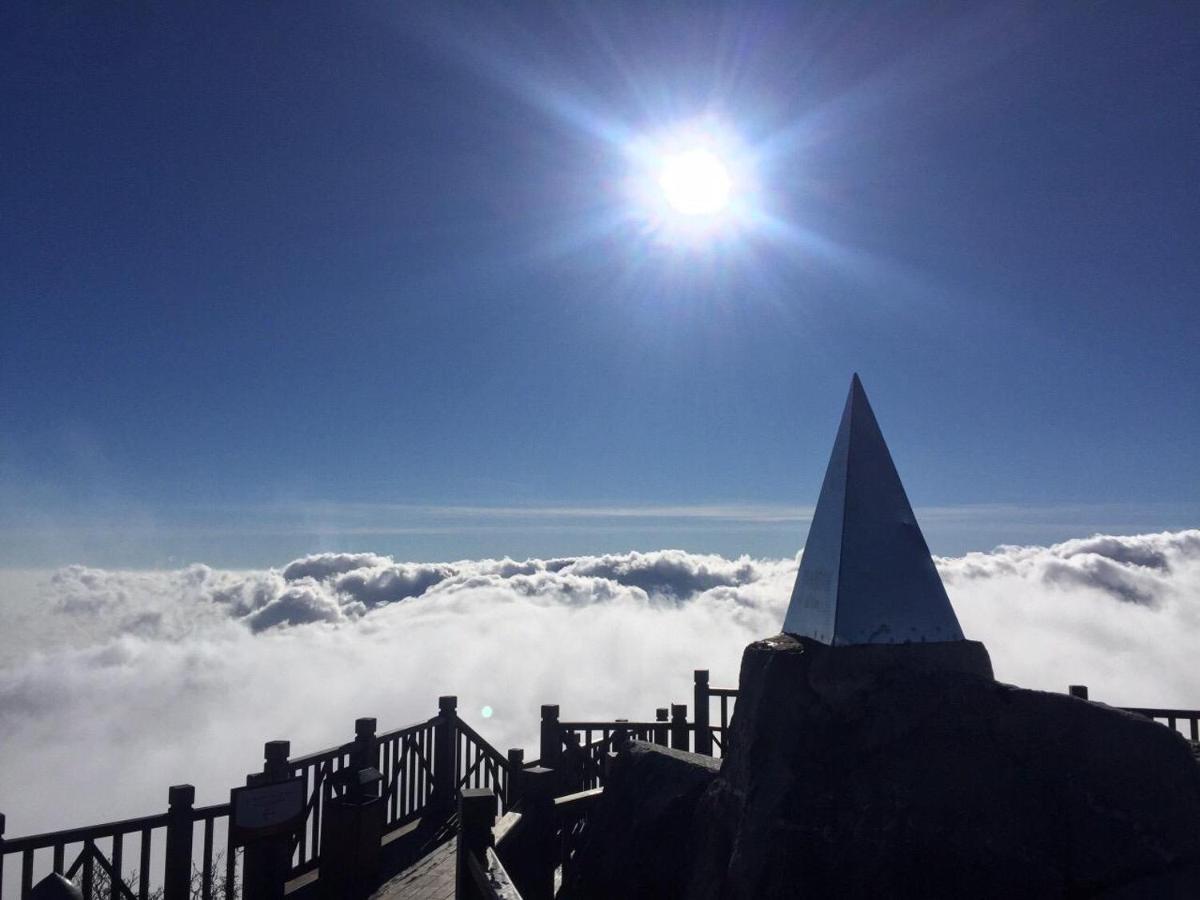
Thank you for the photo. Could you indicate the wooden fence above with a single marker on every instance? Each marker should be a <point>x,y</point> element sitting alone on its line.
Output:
<point>424,768</point>
<point>577,748</point>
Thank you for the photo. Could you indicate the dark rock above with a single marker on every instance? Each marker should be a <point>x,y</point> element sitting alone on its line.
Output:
<point>904,771</point>
<point>639,839</point>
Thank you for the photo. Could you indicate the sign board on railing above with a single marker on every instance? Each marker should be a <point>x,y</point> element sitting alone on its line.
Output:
<point>263,810</point>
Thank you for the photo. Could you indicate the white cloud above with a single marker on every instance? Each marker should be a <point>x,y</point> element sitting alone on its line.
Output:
<point>119,683</point>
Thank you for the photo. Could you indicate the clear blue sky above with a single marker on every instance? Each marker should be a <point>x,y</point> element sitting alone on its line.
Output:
<point>278,277</point>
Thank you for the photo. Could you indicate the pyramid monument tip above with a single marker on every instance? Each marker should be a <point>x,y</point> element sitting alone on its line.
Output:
<point>866,575</point>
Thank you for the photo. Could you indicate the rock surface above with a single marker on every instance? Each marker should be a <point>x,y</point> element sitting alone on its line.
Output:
<point>896,771</point>
<point>641,837</point>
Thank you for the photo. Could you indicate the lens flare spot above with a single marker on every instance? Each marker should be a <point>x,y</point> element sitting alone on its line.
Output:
<point>486,712</point>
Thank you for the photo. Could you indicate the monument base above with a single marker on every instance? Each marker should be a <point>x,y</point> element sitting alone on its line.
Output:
<point>905,770</point>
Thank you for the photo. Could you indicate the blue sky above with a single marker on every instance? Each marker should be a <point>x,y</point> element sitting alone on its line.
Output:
<point>278,278</point>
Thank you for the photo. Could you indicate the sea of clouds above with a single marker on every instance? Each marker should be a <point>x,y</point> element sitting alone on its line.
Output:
<point>116,684</point>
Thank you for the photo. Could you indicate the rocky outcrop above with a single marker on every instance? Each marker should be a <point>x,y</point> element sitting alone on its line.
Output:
<point>905,771</point>
<point>640,839</point>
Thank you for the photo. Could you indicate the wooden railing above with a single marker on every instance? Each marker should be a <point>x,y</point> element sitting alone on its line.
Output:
<point>572,813</point>
<point>517,857</point>
<point>577,748</point>
<point>1172,718</point>
<point>424,767</point>
<point>95,846</point>
<point>480,765</point>
<point>100,858</point>
<point>480,874</point>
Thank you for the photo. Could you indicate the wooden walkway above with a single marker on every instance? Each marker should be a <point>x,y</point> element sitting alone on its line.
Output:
<point>430,878</point>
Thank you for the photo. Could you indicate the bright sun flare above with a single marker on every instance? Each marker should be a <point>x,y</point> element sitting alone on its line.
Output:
<point>695,182</point>
<point>692,186</point>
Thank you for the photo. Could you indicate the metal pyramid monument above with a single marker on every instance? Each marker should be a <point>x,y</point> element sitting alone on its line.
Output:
<point>866,576</point>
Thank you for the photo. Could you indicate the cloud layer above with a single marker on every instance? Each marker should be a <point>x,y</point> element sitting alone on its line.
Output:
<point>115,684</point>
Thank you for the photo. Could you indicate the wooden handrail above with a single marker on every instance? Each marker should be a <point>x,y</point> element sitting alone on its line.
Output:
<point>86,833</point>
<point>579,799</point>
<point>1163,713</point>
<point>482,743</point>
<point>610,726</point>
<point>320,756</point>
<point>407,729</point>
<point>508,826</point>
<point>491,880</point>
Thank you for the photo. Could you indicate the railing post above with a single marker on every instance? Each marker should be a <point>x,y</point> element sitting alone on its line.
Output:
<point>275,762</point>
<point>1078,690</point>
<point>608,763</point>
<point>445,754</point>
<point>533,870</point>
<point>551,737</point>
<point>56,887</point>
<point>620,735</point>
<point>1,850</point>
<point>366,747</point>
<point>704,741</point>
<point>660,731</point>
<point>476,816</point>
<point>572,767</point>
<point>266,861</point>
<point>679,726</point>
<point>352,823</point>
<point>177,882</point>
<point>516,762</point>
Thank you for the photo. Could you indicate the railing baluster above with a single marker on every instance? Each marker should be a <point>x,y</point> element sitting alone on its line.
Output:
<point>59,849</point>
<point>118,855</point>
<point>420,778</point>
<point>318,795</point>
<point>302,843</point>
<point>1195,723</point>
<point>397,759</point>
<point>415,784</point>
<point>144,871</point>
<point>320,792</point>
<point>385,767</point>
<point>230,865</point>
<point>409,785</point>
<point>26,874</point>
<point>206,861</point>
<point>89,869</point>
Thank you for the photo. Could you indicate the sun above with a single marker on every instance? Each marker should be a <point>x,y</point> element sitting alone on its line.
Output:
<point>691,185</point>
<point>696,182</point>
